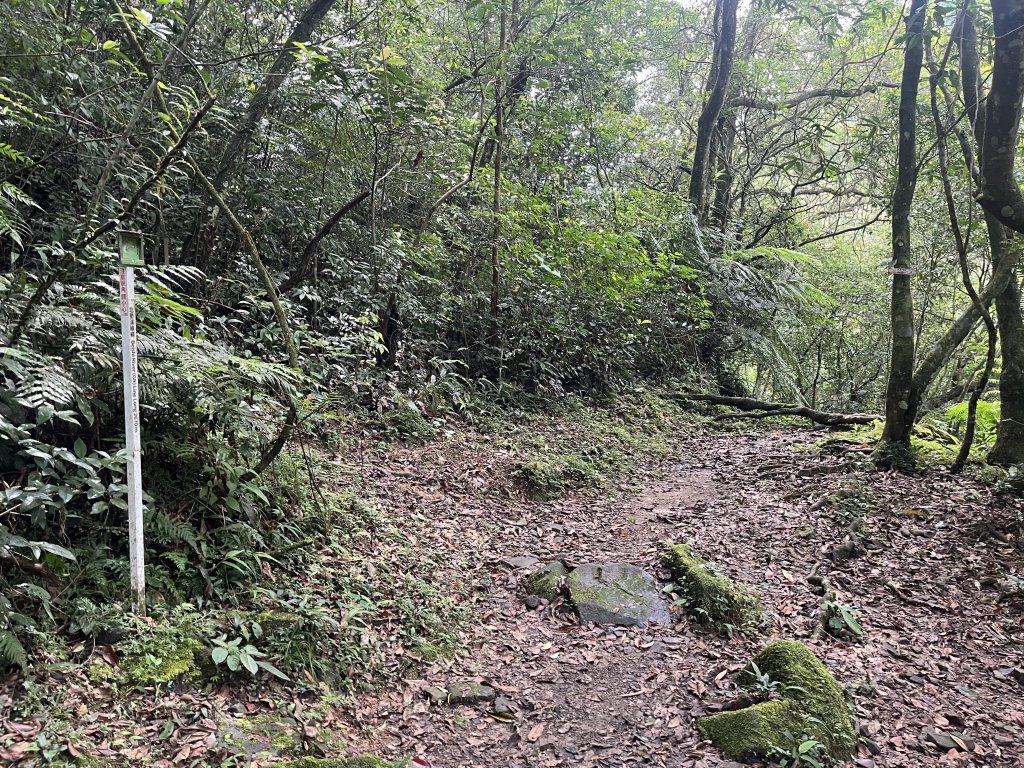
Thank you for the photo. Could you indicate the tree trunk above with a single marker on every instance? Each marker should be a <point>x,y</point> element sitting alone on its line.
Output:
<point>1009,446</point>
<point>499,141</point>
<point>718,89</point>
<point>942,131</point>
<point>1000,194</point>
<point>309,253</point>
<point>992,152</point>
<point>899,405</point>
<point>260,102</point>
<point>727,124</point>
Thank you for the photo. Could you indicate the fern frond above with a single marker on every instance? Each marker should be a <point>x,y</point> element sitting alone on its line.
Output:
<point>12,652</point>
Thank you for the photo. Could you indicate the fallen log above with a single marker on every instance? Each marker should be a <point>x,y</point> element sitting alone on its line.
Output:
<point>760,409</point>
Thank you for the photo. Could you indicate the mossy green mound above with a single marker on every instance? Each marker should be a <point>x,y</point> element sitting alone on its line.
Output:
<point>707,593</point>
<point>550,476</point>
<point>406,420</point>
<point>363,761</point>
<point>166,657</point>
<point>546,582</point>
<point>812,707</point>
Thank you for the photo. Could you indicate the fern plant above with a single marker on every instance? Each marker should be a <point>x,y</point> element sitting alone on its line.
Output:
<point>208,414</point>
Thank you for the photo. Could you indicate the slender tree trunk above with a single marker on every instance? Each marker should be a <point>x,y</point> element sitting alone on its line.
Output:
<point>962,242</point>
<point>899,413</point>
<point>718,89</point>
<point>727,124</point>
<point>499,138</point>
<point>259,104</point>
<point>309,253</point>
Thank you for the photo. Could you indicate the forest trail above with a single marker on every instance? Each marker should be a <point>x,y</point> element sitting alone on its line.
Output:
<point>940,652</point>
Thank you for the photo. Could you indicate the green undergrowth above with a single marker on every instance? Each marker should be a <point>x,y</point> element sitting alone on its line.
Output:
<point>332,606</point>
<point>932,444</point>
<point>585,443</point>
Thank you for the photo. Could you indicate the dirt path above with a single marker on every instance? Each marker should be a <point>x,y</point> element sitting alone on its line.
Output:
<point>939,651</point>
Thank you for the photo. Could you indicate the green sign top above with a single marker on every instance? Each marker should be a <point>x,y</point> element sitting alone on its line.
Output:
<point>129,248</point>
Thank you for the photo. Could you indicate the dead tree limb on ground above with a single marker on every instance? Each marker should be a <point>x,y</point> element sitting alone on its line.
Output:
<point>759,409</point>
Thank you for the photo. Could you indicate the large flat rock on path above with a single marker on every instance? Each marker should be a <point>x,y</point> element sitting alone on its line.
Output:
<point>615,593</point>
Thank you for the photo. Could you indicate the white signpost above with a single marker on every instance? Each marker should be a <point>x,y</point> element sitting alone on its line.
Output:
<point>129,247</point>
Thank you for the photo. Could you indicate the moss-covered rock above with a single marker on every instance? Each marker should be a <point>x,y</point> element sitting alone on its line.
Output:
<point>749,732</point>
<point>707,593</point>
<point>100,673</point>
<point>615,593</point>
<point>273,622</point>
<point>362,761</point>
<point>470,693</point>
<point>812,706</point>
<point>546,582</point>
<point>548,476</point>
<point>260,735</point>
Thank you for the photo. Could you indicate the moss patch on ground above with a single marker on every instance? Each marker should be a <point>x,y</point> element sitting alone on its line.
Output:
<point>407,421</point>
<point>263,734</point>
<point>812,707</point>
<point>584,444</point>
<point>707,593</point>
<point>162,658</point>
<point>930,444</point>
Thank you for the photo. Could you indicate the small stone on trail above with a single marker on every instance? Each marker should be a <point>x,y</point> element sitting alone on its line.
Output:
<point>436,695</point>
<point>871,745</point>
<point>517,563</point>
<point>502,706</point>
<point>485,584</point>
<point>613,593</point>
<point>946,741</point>
<point>470,693</point>
<point>847,550</point>
<point>532,602</point>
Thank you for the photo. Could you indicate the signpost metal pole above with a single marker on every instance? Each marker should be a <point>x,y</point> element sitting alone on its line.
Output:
<point>129,246</point>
